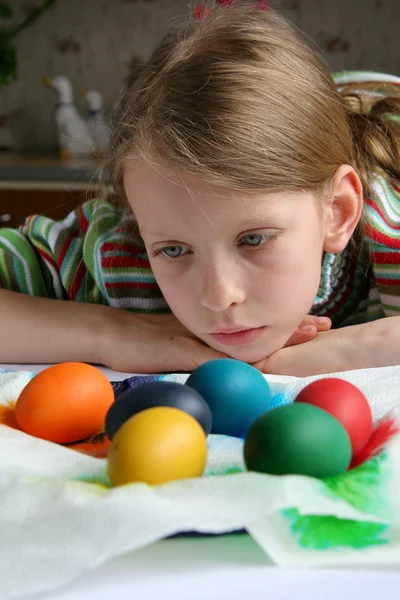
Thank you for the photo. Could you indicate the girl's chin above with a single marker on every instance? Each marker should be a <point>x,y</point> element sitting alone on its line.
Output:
<point>246,354</point>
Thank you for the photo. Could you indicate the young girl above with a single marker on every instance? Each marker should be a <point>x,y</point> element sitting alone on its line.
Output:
<point>261,193</point>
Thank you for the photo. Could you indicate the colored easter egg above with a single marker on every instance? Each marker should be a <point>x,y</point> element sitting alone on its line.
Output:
<point>346,403</point>
<point>297,439</point>
<point>236,393</point>
<point>65,403</point>
<point>157,445</point>
<point>157,393</point>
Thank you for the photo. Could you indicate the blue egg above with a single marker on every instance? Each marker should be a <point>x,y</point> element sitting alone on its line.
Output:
<point>236,393</point>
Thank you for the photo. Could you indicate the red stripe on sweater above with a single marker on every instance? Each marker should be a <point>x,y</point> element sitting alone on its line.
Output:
<point>77,279</point>
<point>141,285</point>
<point>84,223</point>
<point>25,224</point>
<point>122,247</point>
<point>124,262</point>
<point>385,258</point>
<point>47,257</point>
<point>381,238</point>
<point>388,282</point>
<point>64,250</point>
<point>382,214</point>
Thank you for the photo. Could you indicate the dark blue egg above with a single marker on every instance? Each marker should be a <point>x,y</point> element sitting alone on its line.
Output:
<point>236,393</point>
<point>157,393</point>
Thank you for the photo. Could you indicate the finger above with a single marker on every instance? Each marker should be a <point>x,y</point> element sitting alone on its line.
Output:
<point>304,333</point>
<point>322,323</point>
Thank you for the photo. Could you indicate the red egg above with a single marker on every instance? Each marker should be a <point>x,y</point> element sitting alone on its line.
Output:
<point>346,403</point>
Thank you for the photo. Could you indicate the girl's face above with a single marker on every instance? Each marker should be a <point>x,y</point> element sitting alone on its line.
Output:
<point>239,270</point>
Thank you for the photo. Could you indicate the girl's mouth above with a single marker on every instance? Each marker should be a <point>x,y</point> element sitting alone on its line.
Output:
<point>237,338</point>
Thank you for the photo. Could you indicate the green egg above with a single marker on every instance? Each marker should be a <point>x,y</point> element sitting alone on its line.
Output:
<point>298,439</point>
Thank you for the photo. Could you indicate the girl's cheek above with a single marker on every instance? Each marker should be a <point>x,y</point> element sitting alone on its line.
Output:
<point>273,263</point>
<point>173,283</point>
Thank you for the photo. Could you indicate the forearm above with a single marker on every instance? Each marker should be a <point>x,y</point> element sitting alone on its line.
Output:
<point>366,346</point>
<point>39,330</point>
<point>380,342</point>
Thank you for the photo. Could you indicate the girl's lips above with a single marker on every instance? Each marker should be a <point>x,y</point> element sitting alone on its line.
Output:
<point>247,336</point>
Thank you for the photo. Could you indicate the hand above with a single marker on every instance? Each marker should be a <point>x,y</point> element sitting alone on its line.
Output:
<point>329,352</point>
<point>308,330</point>
<point>151,344</point>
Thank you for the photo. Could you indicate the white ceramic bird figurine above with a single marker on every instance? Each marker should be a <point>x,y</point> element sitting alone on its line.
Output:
<point>98,127</point>
<point>74,135</point>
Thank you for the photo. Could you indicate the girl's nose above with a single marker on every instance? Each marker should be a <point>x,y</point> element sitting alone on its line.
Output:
<point>221,292</point>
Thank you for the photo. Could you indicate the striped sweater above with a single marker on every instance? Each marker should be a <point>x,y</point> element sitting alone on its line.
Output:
<point>94,255</point>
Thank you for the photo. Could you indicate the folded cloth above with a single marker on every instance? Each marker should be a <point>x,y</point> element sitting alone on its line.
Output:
<point>57,501</point>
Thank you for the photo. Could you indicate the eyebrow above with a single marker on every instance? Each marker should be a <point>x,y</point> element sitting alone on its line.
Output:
<point>262,221</point>
<point>248,225</point>
<point>151,232</point>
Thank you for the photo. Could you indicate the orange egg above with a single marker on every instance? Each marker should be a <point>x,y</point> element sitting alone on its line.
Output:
<point>65,403</point>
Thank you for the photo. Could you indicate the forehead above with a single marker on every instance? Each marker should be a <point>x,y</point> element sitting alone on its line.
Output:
<point>163,199</point>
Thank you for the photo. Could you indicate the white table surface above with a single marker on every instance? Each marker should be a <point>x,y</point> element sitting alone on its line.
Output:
<point>218,568</point>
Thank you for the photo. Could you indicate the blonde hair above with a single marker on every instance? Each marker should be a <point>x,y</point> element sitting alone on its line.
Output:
<point>242,100</point>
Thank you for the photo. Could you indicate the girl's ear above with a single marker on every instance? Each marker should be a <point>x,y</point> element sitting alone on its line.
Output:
<point>343,209</point>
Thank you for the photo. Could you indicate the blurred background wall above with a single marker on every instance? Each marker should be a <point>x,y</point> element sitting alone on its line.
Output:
<point>94,42</point>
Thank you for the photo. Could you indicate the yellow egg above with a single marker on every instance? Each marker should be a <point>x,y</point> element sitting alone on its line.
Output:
<point>157,445</point>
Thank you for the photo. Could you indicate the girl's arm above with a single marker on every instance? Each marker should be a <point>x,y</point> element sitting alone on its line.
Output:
<point>39,330</point>
<point>374,344</point>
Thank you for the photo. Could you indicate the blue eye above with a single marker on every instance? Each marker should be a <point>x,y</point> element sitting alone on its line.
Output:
<point>256,239</point>
<point>174,251</point>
